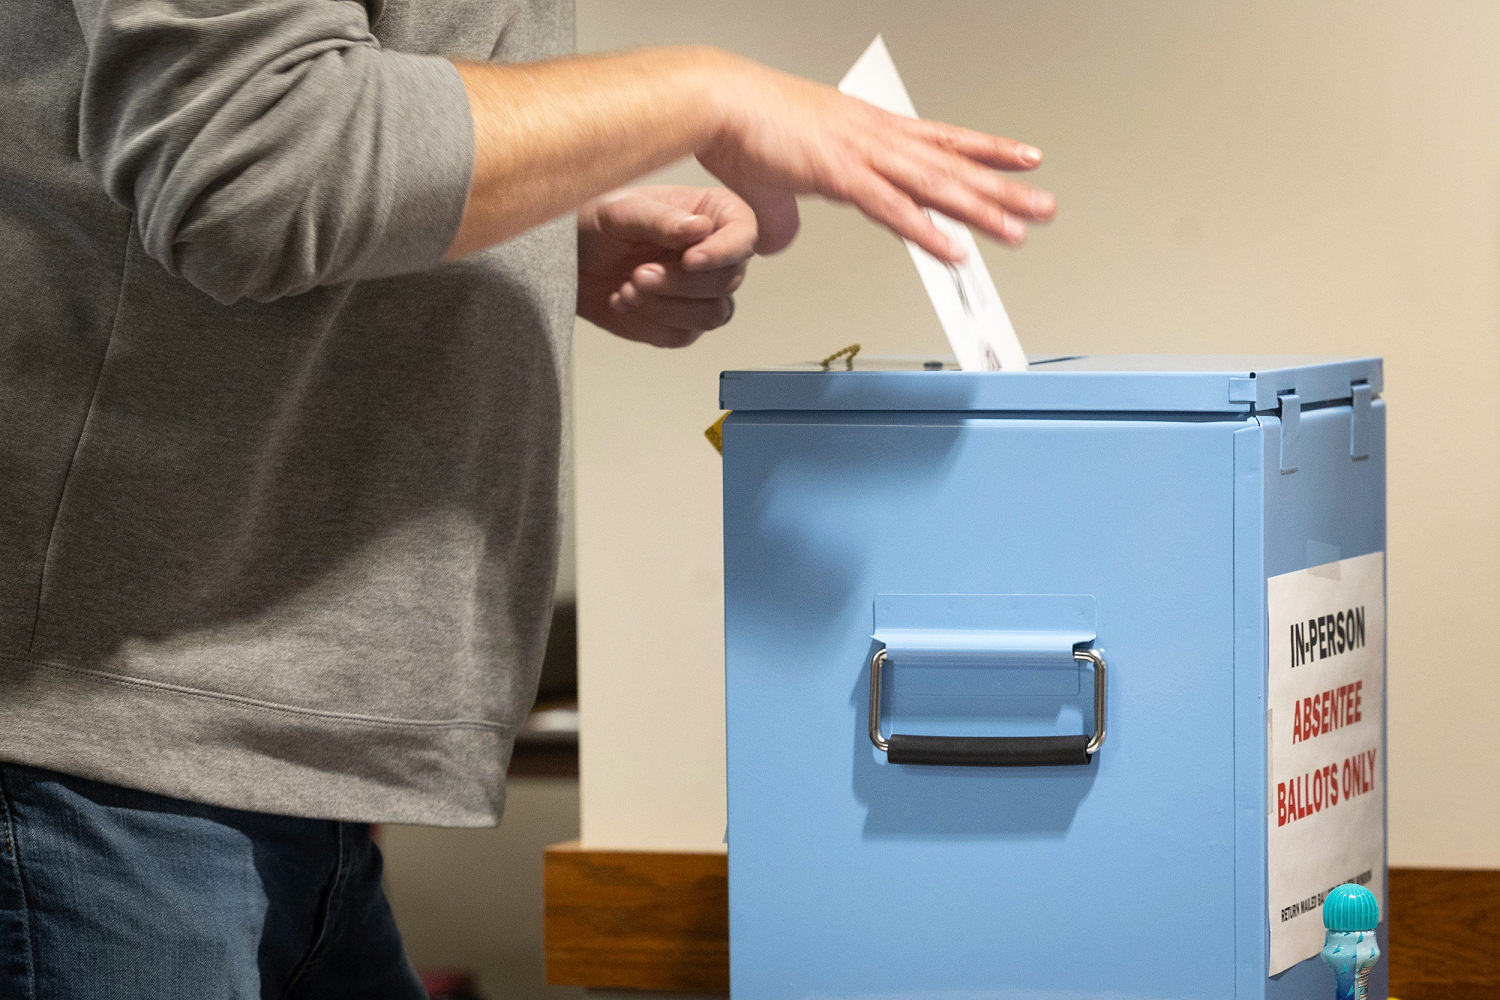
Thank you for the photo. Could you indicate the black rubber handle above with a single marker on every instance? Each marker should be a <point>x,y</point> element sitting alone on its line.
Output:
<point>989,751</point>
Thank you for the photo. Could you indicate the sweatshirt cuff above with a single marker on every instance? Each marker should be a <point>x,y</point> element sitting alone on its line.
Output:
<point>428,122</point>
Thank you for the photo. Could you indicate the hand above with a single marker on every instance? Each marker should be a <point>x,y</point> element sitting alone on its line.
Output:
<point>784,136</point>
<point>660,264</point>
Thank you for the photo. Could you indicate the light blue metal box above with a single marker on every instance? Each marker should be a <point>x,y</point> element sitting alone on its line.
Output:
<point>1064,568</point>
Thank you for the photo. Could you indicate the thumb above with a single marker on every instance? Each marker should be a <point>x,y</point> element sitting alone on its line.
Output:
<point>775,214</point>
<point>638,218</point>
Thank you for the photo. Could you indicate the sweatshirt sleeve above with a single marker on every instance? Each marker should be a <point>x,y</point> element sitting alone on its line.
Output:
<point>267,147</point>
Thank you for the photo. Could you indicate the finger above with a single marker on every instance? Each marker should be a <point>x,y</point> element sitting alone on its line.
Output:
<point>668,278</point>
<point>675,313</point>
<point>925,165</point>
<point>893,208</point>
<point>1016,197</point>
<point>633,326</point>
<point>733,238</point>
<point>637,218</point>
<point>993,204</point>
<point>990,150</point>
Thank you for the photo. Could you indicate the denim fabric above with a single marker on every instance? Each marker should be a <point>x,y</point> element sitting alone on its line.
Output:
<point>113,894</point>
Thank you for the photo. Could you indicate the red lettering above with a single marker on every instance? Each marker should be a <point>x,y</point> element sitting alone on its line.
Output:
<point>1309,793</point>
<point>1359,774</point>
<point>1327,710</point>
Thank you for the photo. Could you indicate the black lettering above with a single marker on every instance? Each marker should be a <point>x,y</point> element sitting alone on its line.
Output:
<point>1326,635</point>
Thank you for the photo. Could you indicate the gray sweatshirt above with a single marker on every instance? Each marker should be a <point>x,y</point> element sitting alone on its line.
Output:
<point>278,490</point>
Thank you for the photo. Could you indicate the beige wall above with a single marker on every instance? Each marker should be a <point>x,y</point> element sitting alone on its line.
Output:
<point>1273,177</point>
<point>472,899</point>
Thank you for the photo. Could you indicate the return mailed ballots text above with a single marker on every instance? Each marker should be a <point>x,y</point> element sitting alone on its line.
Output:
<point>963,294</point>
<point>1324,711</point>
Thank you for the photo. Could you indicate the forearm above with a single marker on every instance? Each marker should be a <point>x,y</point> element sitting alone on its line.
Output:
<point>549,136</point>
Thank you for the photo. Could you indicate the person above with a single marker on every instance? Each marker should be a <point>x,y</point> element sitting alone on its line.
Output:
<point>284,323</point>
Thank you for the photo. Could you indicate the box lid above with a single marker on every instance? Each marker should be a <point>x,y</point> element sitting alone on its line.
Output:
<point>1101,383</point>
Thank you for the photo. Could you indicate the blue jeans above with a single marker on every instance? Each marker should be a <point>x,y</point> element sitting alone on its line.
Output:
<point>112,894</point>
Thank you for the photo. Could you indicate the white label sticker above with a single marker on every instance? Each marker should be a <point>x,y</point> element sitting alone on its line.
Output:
<point>1325,728</point>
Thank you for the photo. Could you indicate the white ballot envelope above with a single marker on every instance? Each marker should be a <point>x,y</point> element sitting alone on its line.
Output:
<point>967,304</point>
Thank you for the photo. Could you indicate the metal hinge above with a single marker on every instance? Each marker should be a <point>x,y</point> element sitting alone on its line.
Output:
<point>1359,420</point>
<point>1289,409</point>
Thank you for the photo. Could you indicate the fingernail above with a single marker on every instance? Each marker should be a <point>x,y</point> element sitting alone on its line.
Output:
<point>1014,231</point>
<point>687,222</point>
<point>1029,155</point>
<point>1043,203</point>
<point>695,259</point>
<point>956,252</point>
<point>650,275</point>
<point>630,294</point>
<point>616,303</point>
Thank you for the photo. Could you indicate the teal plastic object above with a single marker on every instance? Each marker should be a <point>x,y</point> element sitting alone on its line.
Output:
<point>1351,916</point>
<point>1351,908</point>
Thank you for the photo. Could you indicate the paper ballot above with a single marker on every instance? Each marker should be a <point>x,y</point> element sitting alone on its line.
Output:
<point>967,304</point>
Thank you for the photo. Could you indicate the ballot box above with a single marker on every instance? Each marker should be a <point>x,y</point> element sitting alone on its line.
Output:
<point>1052,684</point>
